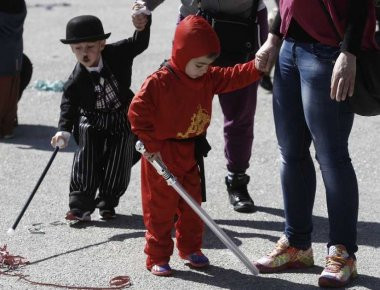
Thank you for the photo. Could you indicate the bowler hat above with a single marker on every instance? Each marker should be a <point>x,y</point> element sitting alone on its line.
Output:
<point>84,28</point>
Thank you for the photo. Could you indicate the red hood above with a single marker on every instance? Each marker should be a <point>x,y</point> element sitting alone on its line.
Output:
<point>193,38</point>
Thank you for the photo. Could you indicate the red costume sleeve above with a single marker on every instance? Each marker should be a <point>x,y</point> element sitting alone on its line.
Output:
<point>141,115</point>
<point>230,79</point>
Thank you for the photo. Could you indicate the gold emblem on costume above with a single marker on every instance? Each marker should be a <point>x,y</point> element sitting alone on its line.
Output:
<point>198,123</point>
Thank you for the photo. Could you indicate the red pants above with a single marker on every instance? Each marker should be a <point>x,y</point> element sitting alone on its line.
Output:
<point>9,89</point>
<point>160,205</point>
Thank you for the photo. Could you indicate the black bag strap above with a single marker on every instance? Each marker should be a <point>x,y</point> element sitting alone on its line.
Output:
<point>331,21</point>
<point>166,64</point>
<point>255,6</point>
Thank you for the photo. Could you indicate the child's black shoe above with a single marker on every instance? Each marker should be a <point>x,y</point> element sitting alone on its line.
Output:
<point>107,214</point>
<point>78,215</point>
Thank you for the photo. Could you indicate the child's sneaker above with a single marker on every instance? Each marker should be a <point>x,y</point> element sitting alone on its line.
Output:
<point>197,260</point>
<point>340,268</point>
<point>78,215</point>
<point>107,214</point>
<point>161,270</point>
<point>285,257</point>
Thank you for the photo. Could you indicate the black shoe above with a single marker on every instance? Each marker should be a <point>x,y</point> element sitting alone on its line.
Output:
<point>107,214</point>
<point>78,215</point>
<point>266,83</point>
<point>238,193</point>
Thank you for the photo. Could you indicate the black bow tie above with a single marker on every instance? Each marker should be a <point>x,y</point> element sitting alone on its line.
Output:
<point>95,76</point>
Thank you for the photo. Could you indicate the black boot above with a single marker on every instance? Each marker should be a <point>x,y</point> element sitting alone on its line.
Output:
<point>238,193</point>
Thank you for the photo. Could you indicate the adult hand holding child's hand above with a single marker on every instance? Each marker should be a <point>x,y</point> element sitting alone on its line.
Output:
<point>139,15</point>
<point>267,54</point>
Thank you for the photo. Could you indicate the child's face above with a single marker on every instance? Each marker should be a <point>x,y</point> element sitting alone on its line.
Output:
<point>198,66</point>
<point>88,53</point>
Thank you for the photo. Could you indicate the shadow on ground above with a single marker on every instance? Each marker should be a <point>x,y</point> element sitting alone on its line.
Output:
<point>368,232</point>
<point>118,238</point>
<point>229,278</point>
<point>29,136</point>
<point>133,221</point>
<point>232,279</point>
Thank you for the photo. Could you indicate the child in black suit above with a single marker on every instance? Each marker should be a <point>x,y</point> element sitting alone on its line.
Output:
<point>95,99</point>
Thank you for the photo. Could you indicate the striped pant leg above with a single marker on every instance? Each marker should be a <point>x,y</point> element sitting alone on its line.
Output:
<point>87,167</point>
<point>117,169</point>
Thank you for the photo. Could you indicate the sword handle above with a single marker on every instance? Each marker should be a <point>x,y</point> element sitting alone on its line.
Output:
<point>157,163</point>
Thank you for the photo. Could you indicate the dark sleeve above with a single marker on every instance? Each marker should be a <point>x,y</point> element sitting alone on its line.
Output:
<point>140,39</point>
<point>356,21</point>
<point>152,4</point>
<point>12,6</point>
<point>124,51</point>
<point>275,27</point>
<point>69,112</point>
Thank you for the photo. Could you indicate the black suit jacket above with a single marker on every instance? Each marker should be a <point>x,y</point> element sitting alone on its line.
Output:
<point>79,89</point>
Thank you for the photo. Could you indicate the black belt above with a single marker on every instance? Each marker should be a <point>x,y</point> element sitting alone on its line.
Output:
<point>201,148</point>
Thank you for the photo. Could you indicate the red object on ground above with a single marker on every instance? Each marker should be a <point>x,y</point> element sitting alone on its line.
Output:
<point>11,263</point>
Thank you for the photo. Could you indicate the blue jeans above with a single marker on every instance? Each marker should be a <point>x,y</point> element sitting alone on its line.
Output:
<point>304,113</point>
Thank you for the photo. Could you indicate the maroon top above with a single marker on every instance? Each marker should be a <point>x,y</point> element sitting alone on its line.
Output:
<point>314,21</point>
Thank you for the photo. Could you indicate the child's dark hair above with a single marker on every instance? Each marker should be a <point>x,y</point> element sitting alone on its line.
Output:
<point>213,55</point>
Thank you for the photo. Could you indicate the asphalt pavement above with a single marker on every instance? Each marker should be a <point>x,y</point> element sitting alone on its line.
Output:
<point>89,255</point>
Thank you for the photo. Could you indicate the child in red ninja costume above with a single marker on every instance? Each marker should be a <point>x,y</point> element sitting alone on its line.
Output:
<point>170,115</point>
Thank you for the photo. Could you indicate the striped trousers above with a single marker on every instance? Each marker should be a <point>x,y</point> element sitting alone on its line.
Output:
<point>102,162</point>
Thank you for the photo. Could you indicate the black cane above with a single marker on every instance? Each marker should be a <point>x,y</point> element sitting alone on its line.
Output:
<point>13,228</point>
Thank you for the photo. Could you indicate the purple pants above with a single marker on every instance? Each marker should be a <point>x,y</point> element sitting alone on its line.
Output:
<point>239,109</point>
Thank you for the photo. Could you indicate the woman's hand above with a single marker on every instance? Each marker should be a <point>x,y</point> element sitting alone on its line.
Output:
<point>267,54</point>
<point>343,77</point>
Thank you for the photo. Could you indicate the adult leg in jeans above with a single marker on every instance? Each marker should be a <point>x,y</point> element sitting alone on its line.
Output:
<point>297,169</point>
<point>329,124</point>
